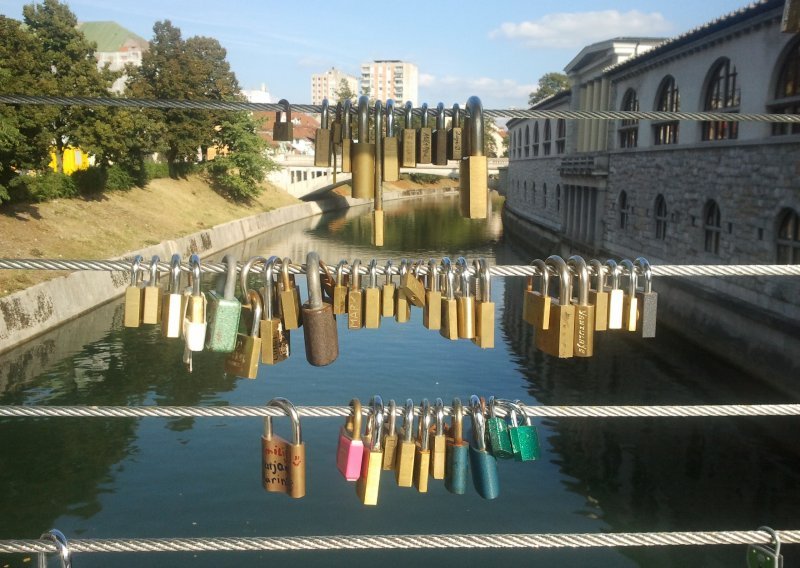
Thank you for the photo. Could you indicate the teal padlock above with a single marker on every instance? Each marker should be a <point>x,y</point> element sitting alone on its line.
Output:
<point>765,555</point>
<point>223,312</point>
<point>482,463</point>
<point>457,450</point>
<point>524,439</point>
<point>499,440</point>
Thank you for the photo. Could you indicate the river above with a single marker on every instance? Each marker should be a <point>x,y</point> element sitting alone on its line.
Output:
<point>154,477</point>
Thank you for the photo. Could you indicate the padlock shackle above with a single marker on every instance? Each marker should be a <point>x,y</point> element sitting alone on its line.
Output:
<point>324,115</point>
<point>375,424</point>
<point>338,115</point>
<point>62,548</point>
<point>577,266</point>
<point>544,276</point>
<point>136,266</point>
<point>598,274</point>
<point>630,272</point>
<point>175,274</point>
<point>478,422</point>
<point>287,108</point>
<point>346,130</point>
<point>285,405</point>
<point>340,272</point>
<point>389,118</point>
<point>438,411</point>
<point>194,274</point>
<point>643,268</point>
<point>230,278</point>
<point>363,119</point>
<point>355,275</point>
<point>464,277</point>
<point>433,275</point>
<point>392,426</point>
<point>449,272</point>
<point>254,300</point>
<point>475,112</point>
<point>378,123</point>
<point>387,272</point>
<point>245,272</point>
<point>424,115</point>
<point>408,111</point>
<point>313,281</point>
<point>424,424</point>
<point>483,280</point>
<point>457,421</point>
<point>373,274</point>
<point>154,274</point>
<point>440,116</point>
<point>613,271</point>
<point>269,287</point>
<point>562,271</point>
<point>285,264</point>
<point>353,422</point>
<point>526,420</point>
<point>455,121</point>
<point>408,421</point>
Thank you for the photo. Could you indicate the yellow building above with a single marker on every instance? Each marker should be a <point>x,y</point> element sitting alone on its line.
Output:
<point>74,159</point>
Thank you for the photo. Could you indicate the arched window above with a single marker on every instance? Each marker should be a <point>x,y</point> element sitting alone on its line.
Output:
<point>536,138</point>
<point>533,193</point>
<point>524,191</point>
<point>711,226</point>
<point>622,205</point>
<point>547,138</point>
<point>629,128</point>
<point>558,197</point>
<point>787,92</point>
<point>722,95</point>
<point>661,217</point>
<point>668,100</point>
<point>527,142</point>
<point>561,135</point>
<point>788,240</point>
<point>544,196</point>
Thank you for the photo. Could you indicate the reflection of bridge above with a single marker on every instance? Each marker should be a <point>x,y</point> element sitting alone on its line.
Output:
<point>300,177</point>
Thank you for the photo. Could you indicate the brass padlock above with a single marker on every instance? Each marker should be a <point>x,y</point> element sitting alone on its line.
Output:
<point>363,155</point>
<point>536,308</point>
<point>474,168</point>
<point>440,138</point>
<point>336,130</point>
<point>134,295</point>
<point>289,298</point>
<point>151,296</point>
<point>171,309</point>
<point>404,459</point>
<point>412,287</point>
<point>584,311</point>
<point>449,306</point>
<point>409,155</point>
<point>355,298</point>
<point>438,441</point>
<point>377,213</point>
<point>598,296</point>
<point>243,361</point>
<point>422,455</point>
<point>322,139</point>
<point>402,307</point>
<point>282,130</point>
<point>319,326</point>
<point>390,437</point>
<point>646,299</point>
<point>465,302</point>
<point>347,142</point>
<point>372,298</point>
<point>340,290</point>
<point>368,484</point>
<point>630,303</point>
<point>424,138</point>
<point>432,310</point>
<point>455,135</point>
<point>275,338</point>
<point>615,296</point>
<point>484,307</point>
<point>391,147</point>
<point>387,293</point>
<point>557,340</point>
<point>283,464</point>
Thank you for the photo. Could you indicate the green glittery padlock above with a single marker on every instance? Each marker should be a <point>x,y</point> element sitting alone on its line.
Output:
<point>524,439</point>
<point>497,428</point>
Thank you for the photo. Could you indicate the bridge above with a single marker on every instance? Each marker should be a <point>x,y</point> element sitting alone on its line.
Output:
<point>301,178</point>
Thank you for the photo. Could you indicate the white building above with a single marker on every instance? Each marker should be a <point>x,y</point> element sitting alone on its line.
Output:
<point>325,85</point>
<point>116,47</point>
<point>390,79</point>
<point>258,95</point>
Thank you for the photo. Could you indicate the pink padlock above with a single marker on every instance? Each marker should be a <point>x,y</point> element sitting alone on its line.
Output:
<point>350,451</point>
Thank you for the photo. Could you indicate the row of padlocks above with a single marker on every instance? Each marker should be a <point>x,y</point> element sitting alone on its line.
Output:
<point>433,449</point>
<point>455,298</point>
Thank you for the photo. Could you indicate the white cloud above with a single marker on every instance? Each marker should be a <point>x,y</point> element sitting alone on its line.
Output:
<point>426,80</point>
<point>577,29</point>
<point>494,93</point>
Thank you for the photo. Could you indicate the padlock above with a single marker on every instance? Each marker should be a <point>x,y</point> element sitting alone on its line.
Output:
<point>409,157</point>
<point>412,287</point>
<point>275,339</point>
<point>391,147</point>
<point>424,138</point>
<point>289,296</point>
<point>172,309</point>
<point>246,317</point>
<point>282,130</point>
<point>355,298</point>
<point>449,305</point>
<point>243,361</point>
<point>557,339</point>
<point>390,437</point>
<point>322,139</point>
<point>283,464</point>
<point>536,308</point>
<point>194,317</point>
<point>319,326</point>
<point>363,155</point>
<point>62,549</point>
<point>151,295</point>
<point>402,307</point>
<point>615,296</point>
<point>457,451</point>
<point>583,336</point>
<point>598,296</point>
<point>482,463</point>
<point>372,298</point>
<point>224,310</point>
<point>437,442</point>
<point>497,430</point>
<point>465,302</point>
<point>387,292</point>
<point>432,310</point>
<point>340,290</point>
<point>336,130</point>
<point>404,458</point>
<point>439,152</point>
<point>368,484</point>
<point>484,307</point>
<point>134,295</point>
<point>474,168</point>
<point>524,439</point>
<point>455,135</point>
<point>647,300</point>
<point>630,303</point>
<point>347,142</point>
<point>350,450</point>
<point>765,555</point>
<point>422,455</point>
<point>377,213</point>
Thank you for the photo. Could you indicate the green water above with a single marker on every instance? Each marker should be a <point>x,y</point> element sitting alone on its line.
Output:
<point>146,478</point>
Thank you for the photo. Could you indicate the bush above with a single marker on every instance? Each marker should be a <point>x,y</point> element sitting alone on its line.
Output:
<point>90,180</point>
<point>119,179</point>
<point>156,170</point>
<point>42,187</point>
<point>424,178</point>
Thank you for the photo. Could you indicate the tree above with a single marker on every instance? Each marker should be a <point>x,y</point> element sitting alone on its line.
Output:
<point>549,84</point>
<point>344,92</point>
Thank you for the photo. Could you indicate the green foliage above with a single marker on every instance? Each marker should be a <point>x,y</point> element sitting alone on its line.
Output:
<point>119,179</point>
<point>417,177</point>
<point>156,170</point>
<point>91,180</point>
<point>43,187</point>
<point>549,84</point>
<point>344,92</point>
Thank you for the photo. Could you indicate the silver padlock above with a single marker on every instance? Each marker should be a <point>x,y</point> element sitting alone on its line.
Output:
<point>765,555</point>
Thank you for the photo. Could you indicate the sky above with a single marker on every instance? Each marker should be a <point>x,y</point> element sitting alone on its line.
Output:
<point>495,50</point>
